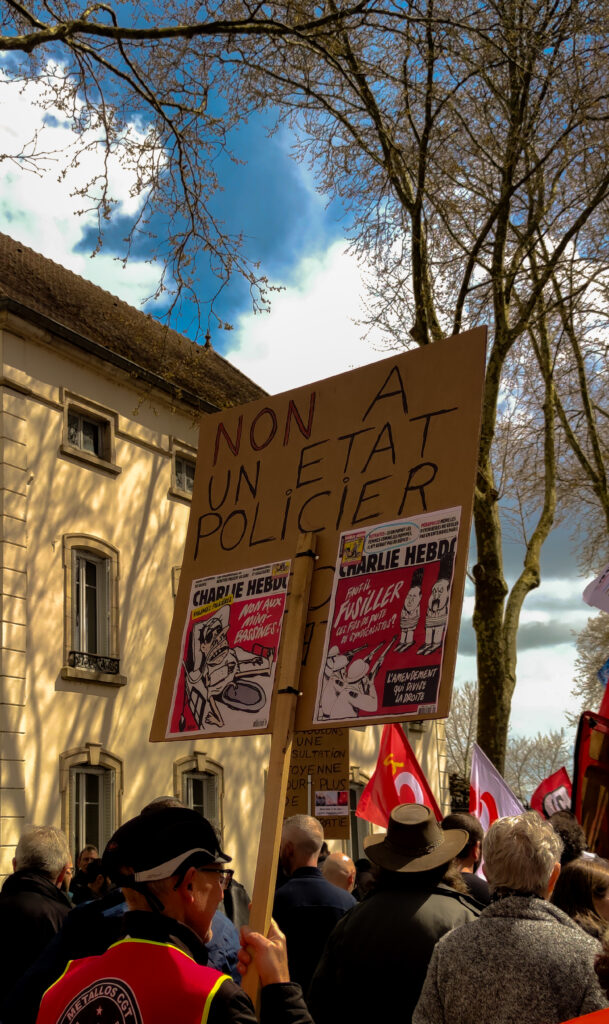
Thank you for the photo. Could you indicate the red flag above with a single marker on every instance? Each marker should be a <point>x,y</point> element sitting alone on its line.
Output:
<point>397,779</point>
<point>553,794</point>
<point>490,797</point>
<point>604,708</point>
<point>591,781</point>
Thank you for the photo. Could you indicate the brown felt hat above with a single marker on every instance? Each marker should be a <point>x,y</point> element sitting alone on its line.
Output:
<point>414,841</point>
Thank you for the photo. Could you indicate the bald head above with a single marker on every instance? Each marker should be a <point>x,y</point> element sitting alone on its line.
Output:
<point>340,870</point>
<point>301,841</point>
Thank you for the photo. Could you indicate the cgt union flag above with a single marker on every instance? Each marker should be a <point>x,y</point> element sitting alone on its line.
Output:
<point>397,779</point>
<point>490,797</point>
<point>553,794</point>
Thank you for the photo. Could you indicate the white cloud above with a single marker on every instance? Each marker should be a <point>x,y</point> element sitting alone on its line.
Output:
<point>39,209</point>
<point>543,688</point>
<point>544,674</point>
<point>309,333</point>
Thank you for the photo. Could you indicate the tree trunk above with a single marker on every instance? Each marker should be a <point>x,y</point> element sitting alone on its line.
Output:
<point>491,591</point>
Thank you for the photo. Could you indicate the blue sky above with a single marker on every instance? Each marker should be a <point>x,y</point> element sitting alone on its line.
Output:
<point>309,334</point>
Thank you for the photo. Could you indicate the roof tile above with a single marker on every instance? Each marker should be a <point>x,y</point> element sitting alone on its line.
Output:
<point>85,309</point>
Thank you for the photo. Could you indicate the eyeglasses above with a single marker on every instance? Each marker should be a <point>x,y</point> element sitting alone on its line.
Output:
<point>211,632</point>
<point>225,875</point>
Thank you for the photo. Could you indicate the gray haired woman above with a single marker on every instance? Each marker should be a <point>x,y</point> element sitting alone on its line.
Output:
<point>523,959</point>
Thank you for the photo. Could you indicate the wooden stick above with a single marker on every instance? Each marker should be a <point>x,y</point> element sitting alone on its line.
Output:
<point>288,675</point>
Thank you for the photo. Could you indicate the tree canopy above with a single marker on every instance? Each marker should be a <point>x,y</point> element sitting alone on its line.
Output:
<point>592,653</point>
<point>144,80</point>
<point>528,761</point>
<point>468,141</point>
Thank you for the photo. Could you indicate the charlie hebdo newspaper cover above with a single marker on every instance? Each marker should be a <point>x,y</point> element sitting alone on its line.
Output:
<point>229,651</point>
<point>388,615</point>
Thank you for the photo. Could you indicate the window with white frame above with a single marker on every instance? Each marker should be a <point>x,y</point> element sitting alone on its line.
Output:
<point>91,789</point>
<point>199,783</point>
<point>89,433</point>
<point>92,801</point>
<point>201,793</point>
<point>91,641</point>
<point>90,603</point>
<point>184,473</point>
<point>86,433</point>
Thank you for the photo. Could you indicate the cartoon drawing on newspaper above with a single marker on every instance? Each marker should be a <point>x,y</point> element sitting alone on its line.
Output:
<point>388,617</point>
<point>230,644</point>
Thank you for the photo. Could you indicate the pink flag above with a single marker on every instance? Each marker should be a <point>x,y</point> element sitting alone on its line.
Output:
<point>553,794</point>
<point>397,779</point>
<point>490,797</point>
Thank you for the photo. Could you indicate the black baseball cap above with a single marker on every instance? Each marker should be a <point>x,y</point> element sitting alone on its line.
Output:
<point>158,845</point>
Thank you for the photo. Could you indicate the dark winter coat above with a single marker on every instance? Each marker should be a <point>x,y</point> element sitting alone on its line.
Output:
<point>306,909</point>
<point>523,960</point>
<point>32,910</point>
<point>376,958</point>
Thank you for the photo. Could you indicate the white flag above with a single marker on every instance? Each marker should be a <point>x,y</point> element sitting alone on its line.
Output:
<point>490,797</point>
<point>596,593</point>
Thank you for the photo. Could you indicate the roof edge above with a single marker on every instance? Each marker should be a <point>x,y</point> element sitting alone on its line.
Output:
<point>105,354</point>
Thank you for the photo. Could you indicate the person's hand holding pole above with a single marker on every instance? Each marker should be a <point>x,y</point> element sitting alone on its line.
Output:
<point>268,955</point>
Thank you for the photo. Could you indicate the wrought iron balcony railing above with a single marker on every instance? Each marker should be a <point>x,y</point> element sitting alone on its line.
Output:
<point>94,662</point>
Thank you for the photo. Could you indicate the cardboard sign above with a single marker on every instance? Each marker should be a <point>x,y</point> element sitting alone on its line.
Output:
<point>377,445</point>
<point>318,782</point>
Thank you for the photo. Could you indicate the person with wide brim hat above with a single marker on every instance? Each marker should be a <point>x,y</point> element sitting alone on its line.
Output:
<point>376,958</point>
<point>414,841</point>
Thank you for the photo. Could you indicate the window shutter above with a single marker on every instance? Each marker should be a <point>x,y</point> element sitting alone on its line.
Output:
<point>75,810</point>
<point>108,824</point>
<point>106,607</point>
<point>210,798</point>
<point>75,601</point>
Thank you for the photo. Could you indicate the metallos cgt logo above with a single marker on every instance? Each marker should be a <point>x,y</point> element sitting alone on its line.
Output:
<point>108,1001</point>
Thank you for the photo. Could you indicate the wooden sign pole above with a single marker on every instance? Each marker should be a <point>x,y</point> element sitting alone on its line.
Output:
<point>288,674</point>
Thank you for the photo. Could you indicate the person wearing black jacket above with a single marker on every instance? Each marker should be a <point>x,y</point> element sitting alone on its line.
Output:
<point>173,873</point>
<point>79,881</point>
<point>306,907</point>
<point>33,905</point>
<point>376,958</point>
<point>468,861</point>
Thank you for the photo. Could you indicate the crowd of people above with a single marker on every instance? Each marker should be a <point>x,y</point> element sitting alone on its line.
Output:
<point>155,930</point>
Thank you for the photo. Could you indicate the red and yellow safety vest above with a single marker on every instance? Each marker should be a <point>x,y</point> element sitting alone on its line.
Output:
<point>598,1017</point>
<point>135,981</point>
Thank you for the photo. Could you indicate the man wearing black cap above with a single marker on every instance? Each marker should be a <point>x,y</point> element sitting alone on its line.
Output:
<point>173,874</point>
<point>375,960</point>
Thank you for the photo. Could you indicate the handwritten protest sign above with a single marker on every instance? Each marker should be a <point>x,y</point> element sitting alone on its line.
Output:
<point>381,444</point>
<point>318,782</point>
